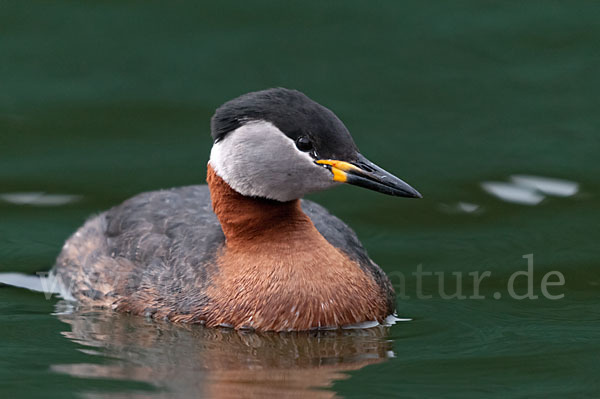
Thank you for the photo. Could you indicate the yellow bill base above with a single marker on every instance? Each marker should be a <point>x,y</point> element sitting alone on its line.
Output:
<point>338,168</point>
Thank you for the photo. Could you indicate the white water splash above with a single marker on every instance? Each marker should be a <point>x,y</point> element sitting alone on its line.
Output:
<point>33,283</point>
<point>461,207</point>
<point>547,185</point>
<point>530,190</point>
<point>44,282</point>
<point>389,321</point>
<point>467,207</point>
<point>510,192</point>
<point>39,198</point>
<point>360,326</point>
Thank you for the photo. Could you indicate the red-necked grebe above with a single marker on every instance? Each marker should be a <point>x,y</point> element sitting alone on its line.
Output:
<point>243,251</point>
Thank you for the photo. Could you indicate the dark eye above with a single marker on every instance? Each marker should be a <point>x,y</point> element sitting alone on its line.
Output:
<point>303,144</point>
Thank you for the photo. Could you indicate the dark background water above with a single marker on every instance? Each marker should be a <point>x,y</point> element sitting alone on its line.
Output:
<point>106,99</point>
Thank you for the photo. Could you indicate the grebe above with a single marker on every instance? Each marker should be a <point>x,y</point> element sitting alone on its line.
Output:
<point>245,251</point>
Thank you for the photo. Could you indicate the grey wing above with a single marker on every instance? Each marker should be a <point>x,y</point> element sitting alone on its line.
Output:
<point>156,245</point>
<point>177,225</point>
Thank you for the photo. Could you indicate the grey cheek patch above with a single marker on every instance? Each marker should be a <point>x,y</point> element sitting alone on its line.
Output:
<point>259,160</point>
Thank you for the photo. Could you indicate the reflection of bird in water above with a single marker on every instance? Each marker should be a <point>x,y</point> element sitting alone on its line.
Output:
<point>200,362</point>
<point>262,260</point>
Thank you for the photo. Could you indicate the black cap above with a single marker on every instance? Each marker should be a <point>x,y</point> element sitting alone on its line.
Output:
<point>292,112</point>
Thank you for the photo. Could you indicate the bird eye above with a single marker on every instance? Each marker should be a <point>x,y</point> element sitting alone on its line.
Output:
<point>304,144</point>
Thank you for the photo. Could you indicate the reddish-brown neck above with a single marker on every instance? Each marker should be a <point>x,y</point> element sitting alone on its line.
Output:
<point>247,220</point>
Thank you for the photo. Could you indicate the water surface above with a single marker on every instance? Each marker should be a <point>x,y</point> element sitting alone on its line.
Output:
<point>102,100</point>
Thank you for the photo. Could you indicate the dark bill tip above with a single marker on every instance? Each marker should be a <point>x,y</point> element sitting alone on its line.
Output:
<point>364,173</point>
<point>371,176</point>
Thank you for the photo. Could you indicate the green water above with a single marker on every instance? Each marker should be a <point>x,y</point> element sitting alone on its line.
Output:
<point>106,99</point>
